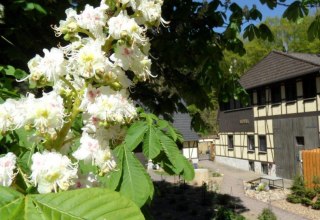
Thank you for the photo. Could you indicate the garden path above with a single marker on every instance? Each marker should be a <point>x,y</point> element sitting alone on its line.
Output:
<point>232,184</point>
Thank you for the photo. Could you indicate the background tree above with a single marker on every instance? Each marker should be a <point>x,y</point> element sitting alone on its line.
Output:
<point>188,52</point>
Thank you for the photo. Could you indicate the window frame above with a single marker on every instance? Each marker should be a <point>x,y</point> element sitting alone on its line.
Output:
<point>276,95</point>
<point>261,96</point>
<point>252,148</point>
<point>230,142</point>
<point>290,88</point>
<point>309,87</point>
<point>260,146</point>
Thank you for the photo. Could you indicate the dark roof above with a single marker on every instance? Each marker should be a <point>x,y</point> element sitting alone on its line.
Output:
<point>182,122</point>
<point>278,66</point>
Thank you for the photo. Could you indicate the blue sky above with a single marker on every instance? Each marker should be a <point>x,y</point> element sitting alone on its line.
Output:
<point>266,12</point>
<point>264,9</point>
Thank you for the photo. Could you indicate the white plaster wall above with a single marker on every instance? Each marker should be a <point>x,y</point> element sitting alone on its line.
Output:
<point>234,162</point>
<point>272,171</point>
<point>190,153</point>
<point>257,167</point>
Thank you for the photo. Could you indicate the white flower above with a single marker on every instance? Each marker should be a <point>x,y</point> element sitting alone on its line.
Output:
<point>88,148</point>
<point>134,59</point>
<point>105,161</point>
<point>46,113</point>
<point>122,26</point>
<point>51,170</point>
<point>7,166</point>
<point>51,66</point>
<point>107,105</point>
<point>69,25</point>
<point>95,151</point>
<point>12,115</point>
<point>93,19</point>
<point>88,60</point>
<point>151,10</point>
<point>132,3</point>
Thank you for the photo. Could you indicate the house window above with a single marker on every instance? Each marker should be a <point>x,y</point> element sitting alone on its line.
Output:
<point>230,142</point>
<point>251,166</point>
<point>262,143</point>
<point>309,87</point>
<point>291,91</point>
<point>264,168</point>
<point>250,143</point>
<point>261,94</point>
<point>300,140</point>
<point>276,94</point>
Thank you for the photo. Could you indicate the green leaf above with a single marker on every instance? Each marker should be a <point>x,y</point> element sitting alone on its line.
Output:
<point>135,183</point>
<point>40,9</point>
<point>151,144</point>
<point>265,33</point>
<point>114,177</point>
<point>255,14</point>
<point>10,70</point>
<point>92,203</point>
<point>135,134</point>
<point>188,171</point>
<point>171,150</point>
<point>23,137</point>
<point>11,203</point>
<point>295,11</point>
<point>314,29</point>
<point>251,31</point>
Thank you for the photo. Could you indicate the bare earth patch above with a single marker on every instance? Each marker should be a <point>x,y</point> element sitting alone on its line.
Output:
<point>277,198</point>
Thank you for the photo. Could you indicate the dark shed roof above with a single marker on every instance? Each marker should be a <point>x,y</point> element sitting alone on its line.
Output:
<point>182,122</point>
<point>278,66</point>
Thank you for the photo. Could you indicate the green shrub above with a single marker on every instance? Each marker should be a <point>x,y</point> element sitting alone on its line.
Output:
<point>316,205</point>
<point>316,182</point>
<point>293,198</point>
<point>310,193</point>
<point>227,214</point>
<point>267,214</point>
<point>298,186</point>
<point>306,201</point>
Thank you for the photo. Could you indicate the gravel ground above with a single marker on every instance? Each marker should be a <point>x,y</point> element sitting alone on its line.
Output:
<point>277,198</point>
<point>298,209</point>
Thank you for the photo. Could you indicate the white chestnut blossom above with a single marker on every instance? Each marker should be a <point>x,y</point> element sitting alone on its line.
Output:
<point>7,167</point>
<point>48,68</point>
<point>93,19</point>
<point>95,151</point>
<point>132,58</point>
<point>151,10</point>
<point>132,3</point>
<point>12,115</point>
<point>123,26</point>
<point>46,113</point>
<point>88,60</point>
<point>52,170</point>
<point>67,26</point>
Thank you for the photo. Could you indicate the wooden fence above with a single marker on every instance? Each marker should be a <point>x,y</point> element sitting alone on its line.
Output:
<point>311,166</point>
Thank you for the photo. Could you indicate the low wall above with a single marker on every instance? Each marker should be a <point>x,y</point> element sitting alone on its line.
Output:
<point>234,162</point>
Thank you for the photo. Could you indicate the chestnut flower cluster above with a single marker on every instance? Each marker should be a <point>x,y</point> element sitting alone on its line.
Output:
<point>88,77</point>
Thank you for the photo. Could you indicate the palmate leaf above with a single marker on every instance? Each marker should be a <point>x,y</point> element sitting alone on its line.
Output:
<point>251,31</point>
<point>135,134</point>
<point>314,29</point>
<point>295,11</point>
<point>151,143</point>
<point>11,203</point>
<point>135,182</point>
<point>93,203</point>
